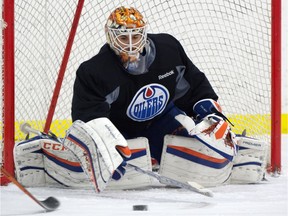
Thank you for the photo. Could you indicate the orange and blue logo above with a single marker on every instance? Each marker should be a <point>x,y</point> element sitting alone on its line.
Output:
<point>148,102</point>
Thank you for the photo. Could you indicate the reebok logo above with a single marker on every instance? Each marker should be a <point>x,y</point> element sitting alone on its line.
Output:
<point>166,75</point>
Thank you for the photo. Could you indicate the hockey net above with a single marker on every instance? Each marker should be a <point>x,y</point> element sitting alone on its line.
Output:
<point>229,40</point>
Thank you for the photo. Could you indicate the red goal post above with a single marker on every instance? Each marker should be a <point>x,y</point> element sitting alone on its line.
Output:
<point>236,43</point>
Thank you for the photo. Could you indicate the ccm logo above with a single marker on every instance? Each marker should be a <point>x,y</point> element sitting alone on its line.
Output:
<point>54,146</point>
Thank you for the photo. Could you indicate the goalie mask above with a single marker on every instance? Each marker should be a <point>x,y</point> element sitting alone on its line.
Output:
<point>126,33</point>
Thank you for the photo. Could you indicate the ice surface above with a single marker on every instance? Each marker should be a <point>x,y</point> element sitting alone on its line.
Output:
<point>267,198</point>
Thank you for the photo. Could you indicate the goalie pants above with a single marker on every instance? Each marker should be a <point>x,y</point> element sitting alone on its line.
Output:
<point>161,126</point>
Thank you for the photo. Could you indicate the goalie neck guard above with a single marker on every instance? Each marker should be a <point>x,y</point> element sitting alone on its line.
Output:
<point>126,33</point>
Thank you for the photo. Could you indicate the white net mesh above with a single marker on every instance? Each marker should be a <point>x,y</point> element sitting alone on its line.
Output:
<point>229,40</point>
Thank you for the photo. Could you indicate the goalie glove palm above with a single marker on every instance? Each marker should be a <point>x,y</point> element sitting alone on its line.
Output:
<point>216,133</point>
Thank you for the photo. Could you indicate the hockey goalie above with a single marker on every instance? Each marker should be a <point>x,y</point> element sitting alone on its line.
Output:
<point>95,154</point>
<point>141,97</point>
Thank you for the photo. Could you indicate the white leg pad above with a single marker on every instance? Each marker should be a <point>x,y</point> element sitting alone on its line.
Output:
<point>249,165</point>
<point>42,161</point>
<point>187,159</point>
<point>62,167</point>
<point>140,157</point>
<point>29,164</point>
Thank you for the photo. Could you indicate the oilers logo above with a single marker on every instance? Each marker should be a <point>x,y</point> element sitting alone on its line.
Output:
<point>148,102</point>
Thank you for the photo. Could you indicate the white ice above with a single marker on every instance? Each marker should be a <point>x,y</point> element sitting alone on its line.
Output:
<point>266,198</point>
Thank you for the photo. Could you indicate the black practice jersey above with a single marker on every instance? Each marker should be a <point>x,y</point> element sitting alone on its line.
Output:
<point>103,87</point>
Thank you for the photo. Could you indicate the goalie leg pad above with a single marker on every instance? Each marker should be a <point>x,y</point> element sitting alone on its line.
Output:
<point>249,165</point>
<point>62,167</point>
<point>187,159</point>
<point>29,165</point>
<point>43,161</point>
<point>140,157</point>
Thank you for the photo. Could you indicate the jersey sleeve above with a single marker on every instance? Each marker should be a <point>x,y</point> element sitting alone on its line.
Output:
<point>199,86</point>
<point>88,101</point>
